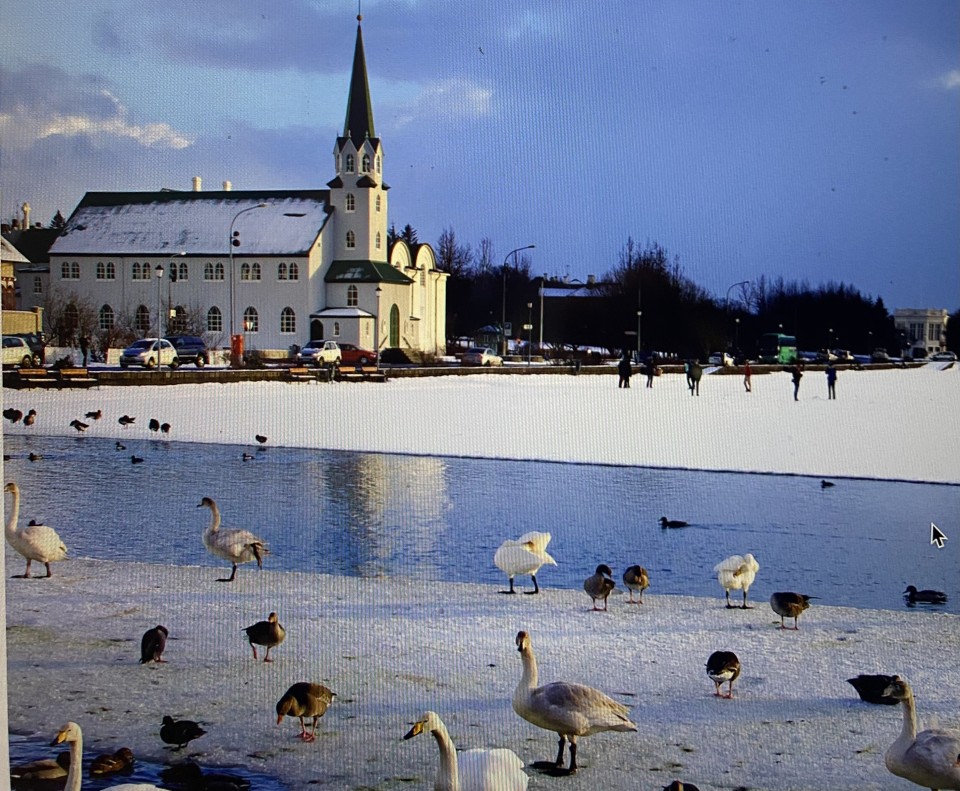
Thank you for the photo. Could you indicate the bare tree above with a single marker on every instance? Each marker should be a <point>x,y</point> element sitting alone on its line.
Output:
<point>484,261</point>
<point>453,257</point>
<point>69,316</point>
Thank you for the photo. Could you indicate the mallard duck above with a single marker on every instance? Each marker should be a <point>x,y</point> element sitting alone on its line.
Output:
<point>34,542</point>
<point>305,700</point>
<point>872,688</point>
<point>179,733</point>
<point>267,633</point>
<point>112,763</point>
<point>570,710</point>
<point>71,733</point>
<point>723,666</point>
<point>126,420</point>
<point>153,424</point>
<point>470,770</point>
<point>30,418</point>
<point>524,556</point>
<point>599,585</point>
<point>737,573</point>
<point>789,605</point>
<point>236,545</point>
<point>665,523</point>
<point>914,596</point>
<point>930,758</point>
<point>152,644</point>
<point>636,579</point>
<point>13,415</point>
<point>79,425</point>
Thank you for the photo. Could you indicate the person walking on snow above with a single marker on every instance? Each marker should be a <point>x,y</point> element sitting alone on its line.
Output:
<point>797,375</point>
<point>624,369</point>
<point>746,376</point>
<point>831,382</point>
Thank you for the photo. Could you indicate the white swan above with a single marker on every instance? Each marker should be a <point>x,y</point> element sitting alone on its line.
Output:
<point>234,544</point>
<point>571,710</point>
<point>524,556</point>
<point>34,542</point>
<point>930,758</point>
<point>737,573</point>
<point>499,769</point>
<point>71,733</point>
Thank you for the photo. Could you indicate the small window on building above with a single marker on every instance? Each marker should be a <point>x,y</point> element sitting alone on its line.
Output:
<point>378,163</point>
<point>378,240</point>
<point>106,318</point>
<point>74,270</point>
<point>288,321</point>
<point>352,296</point>
<point>178,321</point>
<point>111,271</point>
<point>141,320</point>
<point>378,204</point>
<point>244,271</point>
<point>37,284</point>
<point>255,271</point>
<point>349,164</point>
<point>336,329</point>
<point>294,271</point>
<point>365,163</point>
<point>251,320</point>
<point>281,271</point>
<point>101,271</point>
<point>183,272</point>
<point>214,320</point>
<point>218,272</point>
<point>350,203</point>
<point>208,271</point>
<point>65,271</point>
<point>351,240</point>
<point>135,271</point>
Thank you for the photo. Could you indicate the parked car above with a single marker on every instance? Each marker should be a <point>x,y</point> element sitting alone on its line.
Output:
<point>37,341</point>
<point>16,351</point>
<point>190,349</point>
<point>320,353</point>
<point>478,355</point>
<point>145,353</point>
<point>720,358</point>
<point>880,356</point>
<point>354,355</point>
<point>944,357</point>
<point>826,356</point>
<point>842,356</point>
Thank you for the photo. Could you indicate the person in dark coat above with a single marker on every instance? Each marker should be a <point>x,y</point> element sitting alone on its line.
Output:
<point>796,375</point>
<point>831,382</point>
<point>696,371</point>
<point>746,376</point>
<point>624,369</point>
<point>651,370</point>
<point>84,349</point>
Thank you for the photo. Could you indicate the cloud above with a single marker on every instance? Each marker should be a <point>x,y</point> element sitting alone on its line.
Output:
<point>951,80</point>
<point>455,98</point>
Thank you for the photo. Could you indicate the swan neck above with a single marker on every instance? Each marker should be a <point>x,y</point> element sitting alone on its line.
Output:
<point>10,526</point>
<point>75,773</point>
<point>214,518</point>
<point>528,680</point>
<point>448,778</point>
<point>909,731</point>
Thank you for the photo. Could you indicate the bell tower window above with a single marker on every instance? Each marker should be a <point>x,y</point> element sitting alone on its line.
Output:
<point>349,163</point>
<point>351,240</point>
<point>350,203</point>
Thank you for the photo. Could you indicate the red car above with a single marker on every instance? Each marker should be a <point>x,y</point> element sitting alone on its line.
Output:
<point>354,355</point>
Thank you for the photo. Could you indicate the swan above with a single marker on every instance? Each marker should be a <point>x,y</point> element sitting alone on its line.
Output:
<point>636,579</point>
<point>723,666</point>
<point>524,556</point>
<point>267,633</point>
<point>71,733</point>
<point>42,769</point>
<point>305,700</point>
<point>34,542</point>
<point>599,585</point>
<point>928,758</point>
<point>236,545</point>
<point>571,710</point>
<point>737,573</point>
<point>152,644</point>
<point>789,605</point>
<point>471,770</point>
<point>872,688</point>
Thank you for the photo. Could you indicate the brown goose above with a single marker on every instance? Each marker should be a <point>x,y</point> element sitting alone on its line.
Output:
<point>636,579</point>
<point>599,585</point>
<point>723,666</point>
<point>268,633</point>
<point>305,700</point>
<point>152,644</point>
<point>789,605</point>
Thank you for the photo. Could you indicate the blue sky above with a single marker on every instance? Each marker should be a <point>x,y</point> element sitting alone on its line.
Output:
<point>817,141</point>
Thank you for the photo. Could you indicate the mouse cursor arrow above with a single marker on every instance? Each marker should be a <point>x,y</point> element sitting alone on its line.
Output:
<point>936,536</point>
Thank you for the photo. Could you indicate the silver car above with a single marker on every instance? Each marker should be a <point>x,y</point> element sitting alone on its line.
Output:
<point>480,356</point>
<point>145,353</point>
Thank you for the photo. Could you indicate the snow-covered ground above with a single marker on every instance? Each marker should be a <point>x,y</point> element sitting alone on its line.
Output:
<point>392,648</point>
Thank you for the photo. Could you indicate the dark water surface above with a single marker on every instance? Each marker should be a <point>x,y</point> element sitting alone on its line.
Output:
<point>858,543</point>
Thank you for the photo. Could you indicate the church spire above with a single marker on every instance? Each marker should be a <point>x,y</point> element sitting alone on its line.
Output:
<point>359,121</point>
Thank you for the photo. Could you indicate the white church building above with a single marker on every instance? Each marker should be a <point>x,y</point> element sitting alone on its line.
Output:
<point>276,267</point>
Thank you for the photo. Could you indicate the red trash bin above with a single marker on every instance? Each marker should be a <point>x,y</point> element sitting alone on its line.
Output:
<point>236,350</point>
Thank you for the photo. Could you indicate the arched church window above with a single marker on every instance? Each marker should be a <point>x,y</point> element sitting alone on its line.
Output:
<point>365,163</point>
<point>351,240</point>
<point>349,163</point>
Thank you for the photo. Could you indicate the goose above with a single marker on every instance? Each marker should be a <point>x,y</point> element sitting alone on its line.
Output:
<point>570,710</point>
<point>13,415</point>
<point>599,585</point>
<point>34,542</point>
<point>737,573</point>
<point>234,544</point>
<point>789,605</point>
<point>928,758</point>
<point>470,770</point>
<point>723,666</point>
<point>71,733</point>
<point>30,418</point>
<point>126,420</point>
<point>665,523</point>
<point>153,424</point>
<point>42,769</point>
<point>152,644</point>
<point>80,427</point>
<point>179,733</point>
<point>524,556</point>
<point>636,579</point>
<point>267,633</point>
<point>914,596</point>
<point>112,763</point>
<point>304,699</point>
<point>94,415</point>
<point>872,688</point>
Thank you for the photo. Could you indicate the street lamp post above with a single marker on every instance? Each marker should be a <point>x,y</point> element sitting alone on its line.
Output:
<point>639,323</point>
<point>736,337</point>
<point>159,272</point>
<point>376,329</point>
<point>543,282</point>
<point>234,241</point>
<point>529,329</point>
<point>503,306</point>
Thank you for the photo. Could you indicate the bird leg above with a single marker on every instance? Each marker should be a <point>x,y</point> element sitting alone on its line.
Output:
<point>266,657</point>
<point>25,575</point>
<point>630,600</point>
<point>717,685</point>
<point>727,592</point>
<point>233,574</point>
<point>254,650</point>
<point>49,571</point>
<point>745,606</point>
<point>536,587</point>
<point>256,554</point>
<point>729,695</point>
<point>563,741</point>
<point>511,587</point>
<point>573,754</point>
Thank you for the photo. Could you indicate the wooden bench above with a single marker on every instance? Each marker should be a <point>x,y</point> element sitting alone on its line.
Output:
<point>76,377</point>
<point>35,377</point>
<point>360,374</point>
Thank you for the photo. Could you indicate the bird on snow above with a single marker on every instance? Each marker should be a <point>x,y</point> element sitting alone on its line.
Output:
<point>34,542</point>
<point>304,699</point>
<point>872,688</point>
<point>126,420</point>
<point>599,585</point>
<point>13,415</point>
<point>30,418</point>
<point>723,666</point>
<point>234,544</point>
<point>179,732</point>
<point>268,633</point>
<point>153,424</point>
<point>789,605</point>
<point>826,484</point>
<point>261,439</point>
<point>913,596</point>
<point>165,428</point>
<point>737,573</point>
<point>636,579</point>
<point>80,427</point>
<point>94,415</point>
<point>524,556</point>
<point>152,644</point>
<point>665,523</point>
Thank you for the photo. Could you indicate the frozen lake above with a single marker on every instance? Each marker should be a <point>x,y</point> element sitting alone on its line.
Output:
<point>858,543</point>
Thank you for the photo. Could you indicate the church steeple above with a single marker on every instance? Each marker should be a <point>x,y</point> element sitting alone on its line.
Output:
<point>359,121</point>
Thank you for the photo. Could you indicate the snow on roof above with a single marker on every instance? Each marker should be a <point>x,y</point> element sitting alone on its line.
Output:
<point>194,223</point>
<point>341,313</point>
<point>12,254</point>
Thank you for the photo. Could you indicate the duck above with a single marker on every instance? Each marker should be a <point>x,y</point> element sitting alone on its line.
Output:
<point>723,666</point>
<point>13,415</point>
<point>636,579</point>
<point>247,456</point>
<point>570,710</point>
<point>789,605</point>
<point>872,688</point>
<point>524,556</point>
<point>165,428</point>
<point>112,763</point>
<point>120,446</point>
<point>126,420</point>
<point>928,758</point>
<point>304,699</point>
<point>665,523</point>
<point>737,573</point>
<point>34,542</point>
<point>30,418</point>
<point>72,734</point>
<point>136,459</point>
<point>262,440</point>
<point>152,644</point>
<point>676,785</point>
<point>179,733</point>
<point>42,769</point>
<point>234,544</point>
<point>96,415</point>
<point>914,596</point>
<point>267,633</point>
<point>153,424</point>
<point>34,456</point>
<point>470,770</point>
<point>79,426</point>
<point>599,585</point>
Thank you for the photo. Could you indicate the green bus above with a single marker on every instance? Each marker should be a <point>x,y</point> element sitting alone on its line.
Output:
<point>775,347</point>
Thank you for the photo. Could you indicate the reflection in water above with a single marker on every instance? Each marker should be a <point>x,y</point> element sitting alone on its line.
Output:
<point>859,543</point>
